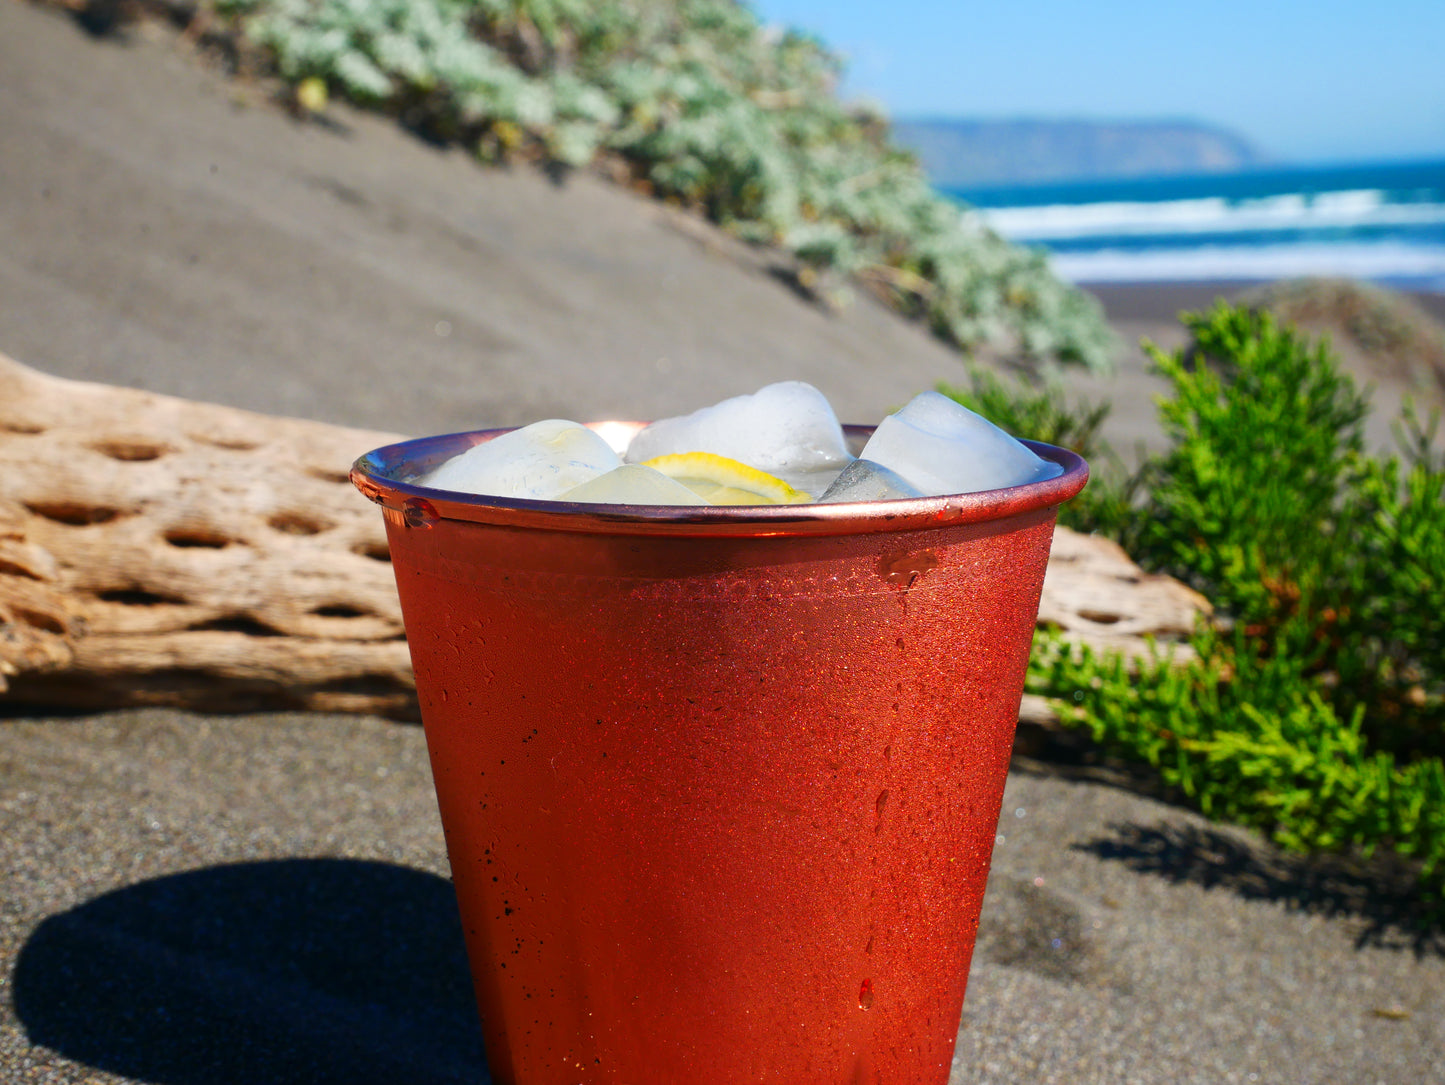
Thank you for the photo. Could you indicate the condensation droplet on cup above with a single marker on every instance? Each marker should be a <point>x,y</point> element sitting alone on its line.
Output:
<point>418,513</point>
<point>865,995</point>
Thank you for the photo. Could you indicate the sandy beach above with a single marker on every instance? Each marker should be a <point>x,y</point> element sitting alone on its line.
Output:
<point>195,899</point>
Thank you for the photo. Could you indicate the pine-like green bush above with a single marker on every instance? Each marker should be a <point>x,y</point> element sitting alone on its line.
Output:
<point>1250,739</point>
<point>703,106</point>
<point>1267,503</point>
<point>1315,707</point>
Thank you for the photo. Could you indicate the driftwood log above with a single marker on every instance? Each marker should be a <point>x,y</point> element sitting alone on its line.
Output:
<point>1094,594</point>
<point>157,551</point>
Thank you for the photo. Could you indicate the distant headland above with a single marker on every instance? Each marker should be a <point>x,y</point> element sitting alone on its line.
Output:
<point>960,153</point>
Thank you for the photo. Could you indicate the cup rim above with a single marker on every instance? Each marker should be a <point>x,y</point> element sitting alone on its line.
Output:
<point>385,475</point>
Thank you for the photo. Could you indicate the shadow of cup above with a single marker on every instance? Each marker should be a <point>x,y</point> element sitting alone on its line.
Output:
<point>300,970</point>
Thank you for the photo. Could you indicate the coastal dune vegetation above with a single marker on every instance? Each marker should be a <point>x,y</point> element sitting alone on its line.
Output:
<point>694,102</point>
<point>1312,706</point>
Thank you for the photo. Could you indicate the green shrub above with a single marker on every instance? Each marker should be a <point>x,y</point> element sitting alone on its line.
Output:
<point>1268,505</point>
<point>1266,436</point>
<point>1315,709</point>
<point>1385,646</point>
<point>698,104</point>
<point>1249,738</point>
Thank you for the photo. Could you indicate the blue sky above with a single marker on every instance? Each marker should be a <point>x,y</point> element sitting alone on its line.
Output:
<point>1306,82</point>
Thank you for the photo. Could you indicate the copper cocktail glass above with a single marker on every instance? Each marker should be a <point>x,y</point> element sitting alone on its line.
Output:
<point>719,785</point>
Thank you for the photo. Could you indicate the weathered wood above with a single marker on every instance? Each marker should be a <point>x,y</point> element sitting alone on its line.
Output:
<point>1097,595</point>
<point>159,551</point>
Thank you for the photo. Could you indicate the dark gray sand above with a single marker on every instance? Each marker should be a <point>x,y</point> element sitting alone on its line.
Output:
<point>262,898</point>
<point>191,899</point>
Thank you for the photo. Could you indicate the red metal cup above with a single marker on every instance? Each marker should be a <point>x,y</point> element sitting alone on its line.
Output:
<point>719,785</point>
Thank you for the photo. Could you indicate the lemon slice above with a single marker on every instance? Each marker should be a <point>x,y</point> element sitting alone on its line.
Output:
<point>721,481</point>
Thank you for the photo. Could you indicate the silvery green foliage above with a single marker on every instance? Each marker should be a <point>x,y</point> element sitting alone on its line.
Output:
<point>706,108</point>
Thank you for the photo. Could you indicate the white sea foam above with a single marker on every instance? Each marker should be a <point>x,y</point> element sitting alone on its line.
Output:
<point>1422,265</point>
<point>1359,208</point>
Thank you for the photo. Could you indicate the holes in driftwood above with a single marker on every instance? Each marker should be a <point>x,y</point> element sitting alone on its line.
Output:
<point>234,444</point>
<point>137,597</point>
<point>14,568</point>
<point>236,623</point>
<point>341,610</point>
<point>25,428</point>
<point>295,523</point>
<point>1103,617</point>
<point>326,474</point>
<point>130,451</point>
<point>38,619</point>
<point>196,537</point>
<point>72,512</point>
<point>374,551</point>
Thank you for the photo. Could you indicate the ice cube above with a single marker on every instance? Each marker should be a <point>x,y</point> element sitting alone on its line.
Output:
<point>786,429</point>
<point>942,447</point>
<point>543,460</point>
<point>633,484</point>
<point>864,480</point>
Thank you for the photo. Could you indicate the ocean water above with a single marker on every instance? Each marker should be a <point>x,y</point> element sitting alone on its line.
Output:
<point>1383,223</point>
